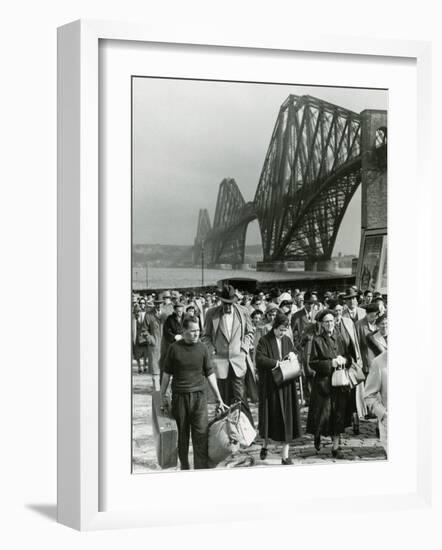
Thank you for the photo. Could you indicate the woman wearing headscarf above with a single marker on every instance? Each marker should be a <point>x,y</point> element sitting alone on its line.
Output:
<point>329,412</point>
<point>279,415</point>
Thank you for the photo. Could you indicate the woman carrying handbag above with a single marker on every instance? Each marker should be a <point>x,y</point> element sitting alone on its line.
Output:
<point>279,415</point>
<point>330,411</point>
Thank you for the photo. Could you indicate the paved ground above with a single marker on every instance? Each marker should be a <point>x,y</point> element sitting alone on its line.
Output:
<point>363,447</point>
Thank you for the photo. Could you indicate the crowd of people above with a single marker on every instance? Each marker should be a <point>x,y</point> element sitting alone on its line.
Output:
<point>236,339</point>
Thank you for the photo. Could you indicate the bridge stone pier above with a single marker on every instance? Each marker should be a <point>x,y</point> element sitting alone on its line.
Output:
<point>372,264</point>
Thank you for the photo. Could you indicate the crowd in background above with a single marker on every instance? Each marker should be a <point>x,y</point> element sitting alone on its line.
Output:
<point>327,331</point>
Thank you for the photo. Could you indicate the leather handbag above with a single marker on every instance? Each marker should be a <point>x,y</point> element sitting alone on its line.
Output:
<point>340,378</point>
<point>286,370</point>
<point>355,374</point>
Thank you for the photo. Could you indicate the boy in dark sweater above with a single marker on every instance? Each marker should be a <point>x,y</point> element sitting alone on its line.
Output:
<point>188,363</point>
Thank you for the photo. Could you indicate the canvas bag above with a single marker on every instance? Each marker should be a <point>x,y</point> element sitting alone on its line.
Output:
<point>223,440</point>
<point>229,431</point>
<point>241,427</point>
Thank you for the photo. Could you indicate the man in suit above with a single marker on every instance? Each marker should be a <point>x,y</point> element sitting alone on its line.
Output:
<point>376,394</point>
<point>172,331</point>
<point>352,310</point>
<point>365,327</point>
<point>304,329</point>
<point>154,322</point>
<point>228,334</point>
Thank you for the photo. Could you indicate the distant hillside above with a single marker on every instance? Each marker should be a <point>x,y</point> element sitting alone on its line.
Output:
<point>167,255</point>
<point>162,255</point>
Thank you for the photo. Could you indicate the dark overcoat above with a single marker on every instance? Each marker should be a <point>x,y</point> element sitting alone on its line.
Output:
<point>330,410</point>
<point>279,415</point>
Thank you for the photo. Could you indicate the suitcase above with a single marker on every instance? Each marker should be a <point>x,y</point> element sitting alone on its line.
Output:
<point>165,434</point>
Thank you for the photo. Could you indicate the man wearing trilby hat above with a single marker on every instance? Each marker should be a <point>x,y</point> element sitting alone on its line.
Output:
<point>352,310</point>
<point>228,333</point>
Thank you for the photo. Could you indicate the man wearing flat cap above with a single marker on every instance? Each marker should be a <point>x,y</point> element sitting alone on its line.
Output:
<point>228,334</point>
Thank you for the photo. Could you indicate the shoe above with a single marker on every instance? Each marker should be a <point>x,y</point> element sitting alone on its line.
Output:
<point>263,453</point>
<point>286,461</point>
<point>318,442</point>
<point>337,453</point>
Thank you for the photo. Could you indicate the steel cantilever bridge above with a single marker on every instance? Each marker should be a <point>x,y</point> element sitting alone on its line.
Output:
<point>310,174</point>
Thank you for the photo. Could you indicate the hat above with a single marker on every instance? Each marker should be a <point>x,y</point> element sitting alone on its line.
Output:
<point>157,301</point>
<point>308,297</point>
<point>175,294</point>
<point>286,303</point>
<point>227,294</point>
<point>371,308</point>
<point>275,292</point>
<point>351,294</point>
<point>179,304</point>
<point>323,313</point>
<point>285,297</point>
<point>272,306</point>
<point>166,294</point>
<point>190,306</point>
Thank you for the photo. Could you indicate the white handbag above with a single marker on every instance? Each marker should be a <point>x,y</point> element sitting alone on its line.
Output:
<point>340,377</point>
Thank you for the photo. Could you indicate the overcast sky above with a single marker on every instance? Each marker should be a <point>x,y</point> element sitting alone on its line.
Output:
<point>190,135</point>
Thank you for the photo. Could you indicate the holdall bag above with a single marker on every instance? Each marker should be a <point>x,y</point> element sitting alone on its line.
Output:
<point>355,374</point>
<point>286,370</point>
<point>241,426</point>
<point>223,440</point>
<point>340,377</point>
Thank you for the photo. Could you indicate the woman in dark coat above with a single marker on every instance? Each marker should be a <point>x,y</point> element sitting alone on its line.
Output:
<point>330,410</point>
<point>279,416</point>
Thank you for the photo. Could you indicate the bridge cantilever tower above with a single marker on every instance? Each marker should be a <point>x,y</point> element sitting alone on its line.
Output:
<point>226,241</point>
<point>202,231</point>
<point>310,173</point>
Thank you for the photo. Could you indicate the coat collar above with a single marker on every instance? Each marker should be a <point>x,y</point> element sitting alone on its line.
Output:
<point>235,325</point>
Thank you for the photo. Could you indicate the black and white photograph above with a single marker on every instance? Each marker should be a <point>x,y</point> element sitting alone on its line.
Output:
<point>259,274</point>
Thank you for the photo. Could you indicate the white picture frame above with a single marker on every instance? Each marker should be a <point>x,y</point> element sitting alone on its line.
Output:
<point>79,269</point>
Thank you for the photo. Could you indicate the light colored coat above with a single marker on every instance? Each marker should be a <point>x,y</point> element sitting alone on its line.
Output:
<point>360,314</point>
<point>228,350</point>
<point>363,330</point>
<point>351,330</point>
<point>376,393</point>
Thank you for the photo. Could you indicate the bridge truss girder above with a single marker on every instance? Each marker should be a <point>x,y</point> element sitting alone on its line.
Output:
<point>311,141</point>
